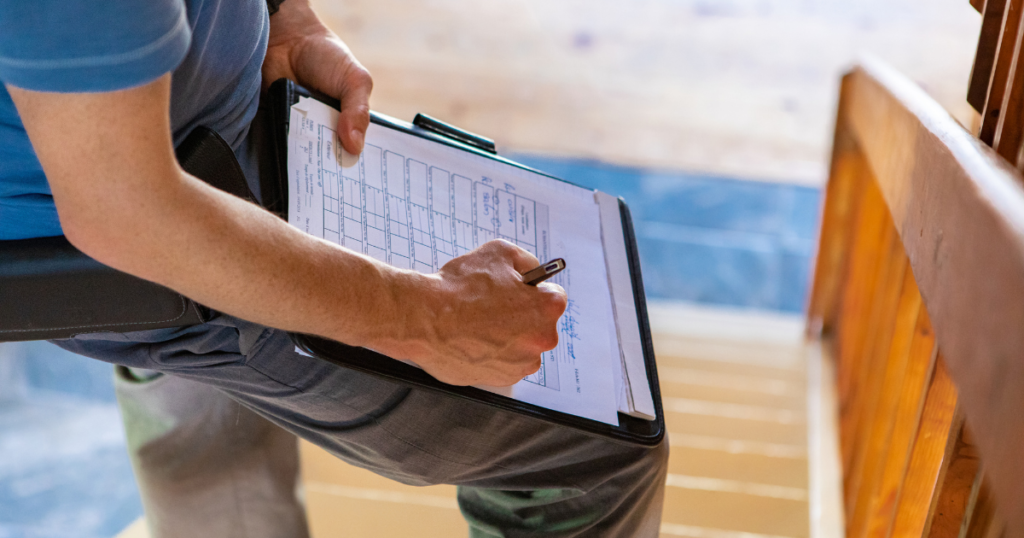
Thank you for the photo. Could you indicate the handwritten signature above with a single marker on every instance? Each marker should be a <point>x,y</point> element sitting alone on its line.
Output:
<point>569,326</point>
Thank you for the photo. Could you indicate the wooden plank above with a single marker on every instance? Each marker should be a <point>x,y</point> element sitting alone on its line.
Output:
<point>1001,71</point>
<point>867,263</point>
<point>984,59</point>
<point>878,429</point>
<point>960,213</point>
<point>843,192</point>
<point>954,498</point>
<point>931,448</point>
<point>883,320</point>
<point>1007,137</point>
<point>978,5</point>
<point>870,229</point>
<point>906,421</point>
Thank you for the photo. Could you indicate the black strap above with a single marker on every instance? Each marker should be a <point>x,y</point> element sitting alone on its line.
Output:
<point>274,5</point>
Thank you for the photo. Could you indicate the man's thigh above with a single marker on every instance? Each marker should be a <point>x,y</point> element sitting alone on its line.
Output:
<point>413,436</point>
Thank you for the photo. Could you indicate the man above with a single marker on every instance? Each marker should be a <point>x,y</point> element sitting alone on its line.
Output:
<point>99,94</point>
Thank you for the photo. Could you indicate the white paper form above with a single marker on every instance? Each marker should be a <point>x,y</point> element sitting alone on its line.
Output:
<point>417,204</point>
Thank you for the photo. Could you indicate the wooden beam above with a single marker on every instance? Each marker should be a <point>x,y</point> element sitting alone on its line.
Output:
<point>1001,71</point>
<point>984,57</point>
<point>874,368</point>
<point>978,5</point>
<point>906,422</point>
<point>849,173</point>
<point>1008,133</point>
<point>960,214</point>
<point>935,440</point>
<point>879,429</point>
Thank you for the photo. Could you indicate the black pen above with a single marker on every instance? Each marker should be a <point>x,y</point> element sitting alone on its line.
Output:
<point>543,272</point>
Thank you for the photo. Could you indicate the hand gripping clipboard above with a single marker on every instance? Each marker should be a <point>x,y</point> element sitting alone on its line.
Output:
<point>631,430</point>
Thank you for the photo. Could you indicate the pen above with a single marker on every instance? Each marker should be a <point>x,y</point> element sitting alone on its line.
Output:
<point>543,272</point>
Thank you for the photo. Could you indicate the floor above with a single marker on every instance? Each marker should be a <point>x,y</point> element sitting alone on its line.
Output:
<point>736,88</point>
<point>64,470</point>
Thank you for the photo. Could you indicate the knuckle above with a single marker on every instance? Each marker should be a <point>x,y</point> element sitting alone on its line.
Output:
<point>559,301</point>
<point>364,78</point>
<point>507,247</point>
<point>531,367</point>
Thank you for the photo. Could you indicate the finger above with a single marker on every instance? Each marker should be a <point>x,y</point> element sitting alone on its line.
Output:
<point>558,300</point>
<point>522,260</point>
<point>355,108</point>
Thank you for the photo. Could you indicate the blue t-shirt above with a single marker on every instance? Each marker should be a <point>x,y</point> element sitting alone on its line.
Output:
<point>215,49</point>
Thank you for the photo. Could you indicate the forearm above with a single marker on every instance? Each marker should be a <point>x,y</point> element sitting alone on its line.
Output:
<point>233,256</point>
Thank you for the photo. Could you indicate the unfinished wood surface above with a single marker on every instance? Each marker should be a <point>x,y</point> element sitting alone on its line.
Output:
<point>984,59</point>
<point>878,421</point>
<point>906,419</point>
<point>1000,71</point>
<point>960,213</point>
<point>927,462</point>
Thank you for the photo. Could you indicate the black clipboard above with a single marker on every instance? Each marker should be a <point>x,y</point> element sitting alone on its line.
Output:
<point>281,96</point>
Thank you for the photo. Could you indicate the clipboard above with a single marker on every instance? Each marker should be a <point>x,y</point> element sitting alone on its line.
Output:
<point>632,430</point>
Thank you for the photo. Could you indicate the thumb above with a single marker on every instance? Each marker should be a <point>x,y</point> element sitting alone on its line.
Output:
<point>355,108</point>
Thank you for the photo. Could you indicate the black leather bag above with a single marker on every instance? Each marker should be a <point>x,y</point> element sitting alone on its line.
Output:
<point>49,289</point>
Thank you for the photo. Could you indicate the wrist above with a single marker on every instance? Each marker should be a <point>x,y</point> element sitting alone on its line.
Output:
<point>404,315</point>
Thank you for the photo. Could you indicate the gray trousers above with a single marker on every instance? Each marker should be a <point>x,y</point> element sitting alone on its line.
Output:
<point>213,454</point>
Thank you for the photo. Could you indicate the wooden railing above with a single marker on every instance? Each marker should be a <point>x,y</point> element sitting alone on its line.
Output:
<point>919,294</point>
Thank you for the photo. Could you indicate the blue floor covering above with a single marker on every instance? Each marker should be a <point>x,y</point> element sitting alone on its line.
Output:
<point>64,471</point>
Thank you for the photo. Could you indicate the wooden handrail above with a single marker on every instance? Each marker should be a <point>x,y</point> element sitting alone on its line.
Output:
<point>958,209</point>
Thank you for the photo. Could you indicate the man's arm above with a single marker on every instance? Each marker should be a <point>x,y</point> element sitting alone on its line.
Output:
<point>123,199</point>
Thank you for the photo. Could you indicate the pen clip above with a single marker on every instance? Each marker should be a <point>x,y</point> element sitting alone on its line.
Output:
<point>437,126</point>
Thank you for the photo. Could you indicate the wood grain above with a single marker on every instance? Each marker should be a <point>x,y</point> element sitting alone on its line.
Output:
<point>931,447</point>
<point>1007,137</point>
<point>1001,71</point>
<point>960,213</point>
<point>906,421</point>
<point>984,59</point>
<point>878,428</point>
<point>874,364</point>
<point>866,261</point>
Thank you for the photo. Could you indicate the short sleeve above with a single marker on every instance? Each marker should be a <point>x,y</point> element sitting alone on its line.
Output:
<point>90,45</point>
